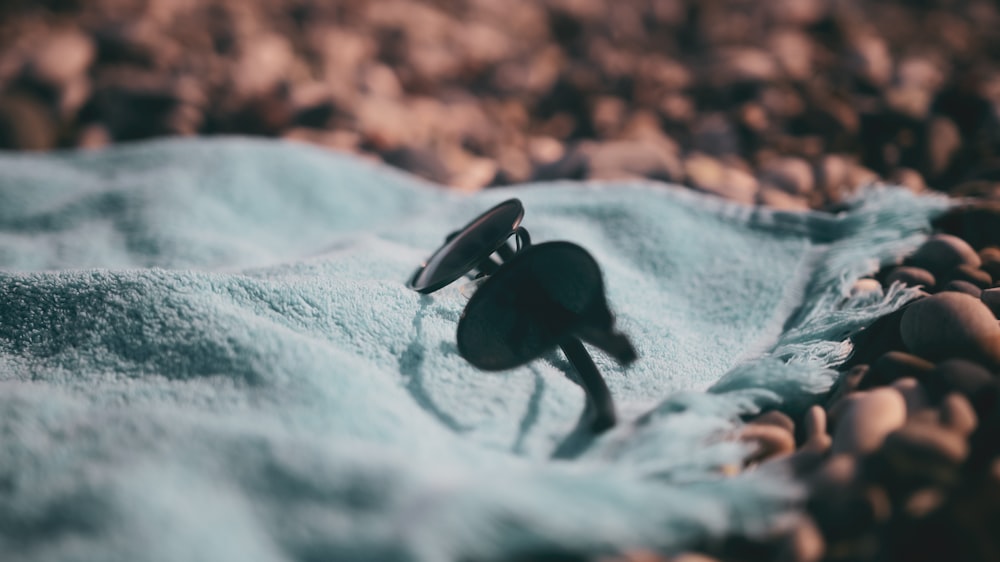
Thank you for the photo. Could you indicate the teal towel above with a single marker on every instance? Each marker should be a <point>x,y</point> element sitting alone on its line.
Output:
<point>208,352</point>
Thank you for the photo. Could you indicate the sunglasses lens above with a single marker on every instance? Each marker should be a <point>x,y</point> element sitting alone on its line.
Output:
<point>466,249</point>
<point>545,293</point>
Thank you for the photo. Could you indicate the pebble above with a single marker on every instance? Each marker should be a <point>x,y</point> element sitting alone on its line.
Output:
<point>892,366</point>
<point>864,419</point>
<point>991,298</point>
<point>911,277</point>
<point>835,504</point>
<point>958,415</point>
<point>909,178</point>
<point>923,502</point>
<point>871,60</point>
<point>926,442</point>
<point>424,163</point>
<point>803,544</point>
<point>25,124</point>
<point>991,261</point>
<point>942,253</point>
<point>965,377</point>
<point>794,52</point>
<point>771,441</point>
<point>944,140</point>
<point>628,159</point>
<point>913,393</point>
<point>815,444</point>
<point>846,383</point>
<point>775,418</point>
<point>866,287</point>
<point>972,275</point>
<point>574,164</point>
<point>713,176</point>
<point>910,101</point>
<point>713,134</point>
<point>965,287</point>
<point>793,175</point>
<point>949,325</point>
<point>62,58</point>
<point>778,198</point>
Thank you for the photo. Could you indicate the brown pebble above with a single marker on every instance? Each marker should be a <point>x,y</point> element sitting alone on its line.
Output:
<point>880,503</point>
<point>991,261</point>
<point>839,470</point>
<point>633,159</point>
<point>959,286</point>
<point>949,325</point>
<point>771,441</point>
<point>911,277</point>
<point>803,544</point>
<point>970,274</point>
<point>910,179</point>
<point>62,58</point>
<point>991,298</point>
<point>791,175</point>
<point>913,393</point>
<point>871,59</point>
<point>866,286</point>
<point>942,253</point>
<point>421,162</point>
<point>910,101</point>
<point>835,502</point>
<point>847,383</point>
<point>711,175</point>
<point>892,366</point>
<point>923,502</point>
<point>926,441</point>
<point>917,456</point>
<point>816,444</point>
<point>965,377</point>
<point>957,414</point>
<point>777,198</point>
<point>774,417</point>
<point>944,140</point>
<point>26,124</point>
<point>814,424</point>
<point>866,419</point>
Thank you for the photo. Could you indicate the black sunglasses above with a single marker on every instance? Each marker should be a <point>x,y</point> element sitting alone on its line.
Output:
<point>534,298</point>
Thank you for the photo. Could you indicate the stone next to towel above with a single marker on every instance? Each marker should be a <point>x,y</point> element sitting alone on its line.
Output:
<point>208,352</point>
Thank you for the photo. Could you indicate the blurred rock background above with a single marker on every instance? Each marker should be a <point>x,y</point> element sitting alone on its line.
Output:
<point>790,103</point>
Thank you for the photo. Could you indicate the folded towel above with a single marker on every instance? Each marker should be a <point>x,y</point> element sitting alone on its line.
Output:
<point>208,352</point>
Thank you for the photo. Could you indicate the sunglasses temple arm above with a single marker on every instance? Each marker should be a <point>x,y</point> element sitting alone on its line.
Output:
<point>521,241</point>
<point>598,395</point>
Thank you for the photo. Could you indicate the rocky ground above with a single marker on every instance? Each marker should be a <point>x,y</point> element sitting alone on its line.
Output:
<point>788,103</point>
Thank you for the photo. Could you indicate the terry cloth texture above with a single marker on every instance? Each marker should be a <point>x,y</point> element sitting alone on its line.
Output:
<point>208,352</point>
